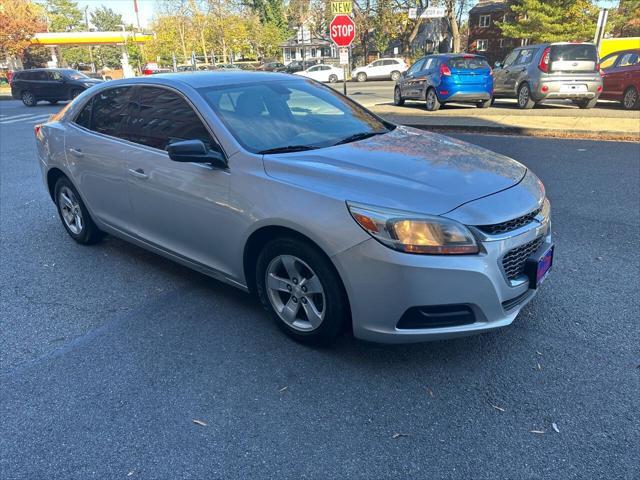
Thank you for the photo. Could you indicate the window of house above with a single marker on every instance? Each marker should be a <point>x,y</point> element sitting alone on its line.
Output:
<point>485,21</point>
<point>524,42</point>
<point>482,45</point>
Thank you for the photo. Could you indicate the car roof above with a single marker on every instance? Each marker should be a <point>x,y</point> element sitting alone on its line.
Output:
<point>208,78</point>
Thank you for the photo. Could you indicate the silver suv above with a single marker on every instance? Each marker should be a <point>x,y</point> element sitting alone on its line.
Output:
<point>535,73</point>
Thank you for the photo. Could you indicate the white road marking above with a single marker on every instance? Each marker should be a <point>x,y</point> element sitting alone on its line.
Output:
<point>24,118</point>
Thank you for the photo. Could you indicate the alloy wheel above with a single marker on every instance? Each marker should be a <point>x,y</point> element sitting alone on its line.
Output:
<point>630,98</point>
<point>396,95</point>
<point>431,99</point>
<point>295,293</point>
<point>395,76</point>
<point>523,96</point>
<point>28,98</point>
<point>71,211</point>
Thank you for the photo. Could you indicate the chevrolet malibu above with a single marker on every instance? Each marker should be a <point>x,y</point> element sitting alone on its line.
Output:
<point>335,218</point>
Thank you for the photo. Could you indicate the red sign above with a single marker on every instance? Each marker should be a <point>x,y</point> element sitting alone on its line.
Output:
<point>342,30</point>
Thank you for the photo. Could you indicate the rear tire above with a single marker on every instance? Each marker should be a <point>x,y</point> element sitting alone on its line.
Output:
<point>485,103</point>
<point>297,266</point>
<point>75,93</point>
<point>431,101</point>
<point>333,78</point>
<point>28,98</point>
<point>74,214</point>
<point>395,76</point>
<point>397,97</point>
<point>525,102</point>
<point>631,99</point>
<point>587,103</point>
<point>361,77</point>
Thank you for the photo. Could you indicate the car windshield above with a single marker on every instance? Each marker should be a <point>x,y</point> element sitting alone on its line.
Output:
<point>75,75</point>
<point>468,63</point>
<point>290,115</point>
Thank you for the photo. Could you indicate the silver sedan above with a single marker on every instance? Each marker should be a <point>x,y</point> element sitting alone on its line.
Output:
<point>336,219</point>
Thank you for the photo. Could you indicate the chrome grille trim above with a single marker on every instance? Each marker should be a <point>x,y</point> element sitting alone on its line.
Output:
<point>510,225</point>
<point>513,262</point>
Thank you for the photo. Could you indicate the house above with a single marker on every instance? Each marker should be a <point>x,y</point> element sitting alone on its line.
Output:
<point>485,37</point>
<point>305,45</point>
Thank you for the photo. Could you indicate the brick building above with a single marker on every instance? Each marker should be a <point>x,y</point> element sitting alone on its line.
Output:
<point>485,38</point>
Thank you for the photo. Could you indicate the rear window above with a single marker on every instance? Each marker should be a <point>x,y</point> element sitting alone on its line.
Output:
<point>467,63</point>
<point>573,53</point>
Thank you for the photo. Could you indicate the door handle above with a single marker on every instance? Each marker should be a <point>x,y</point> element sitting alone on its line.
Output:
<point>138,173</point>
<point>76,152</point>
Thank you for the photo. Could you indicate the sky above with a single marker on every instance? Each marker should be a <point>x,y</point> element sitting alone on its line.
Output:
<point>147,8</point>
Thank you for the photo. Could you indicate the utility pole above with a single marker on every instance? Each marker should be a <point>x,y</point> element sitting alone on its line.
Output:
<point>135,9</point>
<point>86,23</point>
<point>600,26</point>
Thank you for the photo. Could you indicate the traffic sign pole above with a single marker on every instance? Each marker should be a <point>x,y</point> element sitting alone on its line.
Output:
<point>342,30</point>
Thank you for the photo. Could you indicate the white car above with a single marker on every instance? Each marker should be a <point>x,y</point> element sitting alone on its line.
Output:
<point>323,73</point>
<point>383,68</point>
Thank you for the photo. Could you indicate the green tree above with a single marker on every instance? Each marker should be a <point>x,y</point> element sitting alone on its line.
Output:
<point>105,19</point>
<point>625,20</point>
<point>552,20</point>
<point>63,16</point>
<point>384,25</point>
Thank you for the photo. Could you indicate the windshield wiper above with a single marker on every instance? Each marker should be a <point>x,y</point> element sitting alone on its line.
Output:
<point>359,136</point>
<point>288,148</point>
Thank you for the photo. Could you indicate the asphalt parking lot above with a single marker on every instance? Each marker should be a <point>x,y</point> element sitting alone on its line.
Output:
<point>117,363</point>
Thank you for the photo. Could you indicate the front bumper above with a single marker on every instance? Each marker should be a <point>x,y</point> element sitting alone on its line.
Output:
<point>382,284</point>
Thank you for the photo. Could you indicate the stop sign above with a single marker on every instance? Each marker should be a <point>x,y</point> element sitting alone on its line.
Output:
<point>342,30</point>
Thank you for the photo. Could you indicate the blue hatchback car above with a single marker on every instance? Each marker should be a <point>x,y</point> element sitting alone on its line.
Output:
<point>450,77</point>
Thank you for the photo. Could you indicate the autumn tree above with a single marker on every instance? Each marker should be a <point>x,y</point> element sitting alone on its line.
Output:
<point>552,20</point>
<point>624,21</point>
<point>19,20</point>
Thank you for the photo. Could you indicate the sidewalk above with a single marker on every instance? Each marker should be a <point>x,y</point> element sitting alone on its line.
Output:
<point>600,123</point>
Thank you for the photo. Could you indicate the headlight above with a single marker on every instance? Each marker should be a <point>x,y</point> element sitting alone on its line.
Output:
<point>413,233</point>
<point>546,209</point>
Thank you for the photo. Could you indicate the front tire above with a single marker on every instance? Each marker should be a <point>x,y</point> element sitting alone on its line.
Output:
<point>75,93</point>
<point>631,99</point>
<point>485,103</point>
<point>431,101</point>
<point>397,97</point>
<point>301,290</point>
<point>333,78</point>
<point>28,98</point>
<point>74,214</point>
<point>361,77</point>
<point>525,102</point>
<point>395,76</point>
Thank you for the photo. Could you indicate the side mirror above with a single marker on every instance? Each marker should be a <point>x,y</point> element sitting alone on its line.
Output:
<point>195,151</point>
<point>497,65</point>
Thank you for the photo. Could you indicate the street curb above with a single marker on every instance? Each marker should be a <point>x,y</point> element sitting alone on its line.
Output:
<point>532,132</point>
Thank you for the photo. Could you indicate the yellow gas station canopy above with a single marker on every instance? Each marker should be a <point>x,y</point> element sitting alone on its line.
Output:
<point>89,38</point>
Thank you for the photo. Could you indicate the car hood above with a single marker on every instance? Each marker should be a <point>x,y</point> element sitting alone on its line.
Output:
<point>407,169</point>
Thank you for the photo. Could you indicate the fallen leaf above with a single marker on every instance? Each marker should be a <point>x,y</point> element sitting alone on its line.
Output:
<point>538,432</point>
<point>555,427</point>
<point>539,353</point>
<point>398,435</point>
<point>199,422</point>
<point>283,389</point>
<point>598,258</point>
<point>430,392</point>
<point>130,473</point>
<point>539,366</point>
<point>498,408</point>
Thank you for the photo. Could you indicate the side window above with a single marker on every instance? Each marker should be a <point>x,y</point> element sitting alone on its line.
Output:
<point>377,63</point>
<point>39,75</point>
<point>511,58</point>
<point>161,116</point>
<point>524,57</point>
<point>54,76</point>
<point>628,60</point>
<point>109,109</point>
<point>429,64</point>
<point>84,117</point>
<point>416,67</point>
<point>609,61</point>
<point>314,69</point>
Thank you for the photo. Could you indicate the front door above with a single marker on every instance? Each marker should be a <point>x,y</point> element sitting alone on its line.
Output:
<point>500,74</point>
<point>406,85</point>
<point>180,207</point>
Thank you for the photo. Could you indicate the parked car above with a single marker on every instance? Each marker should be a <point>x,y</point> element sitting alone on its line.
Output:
<point>621,78</point>
<point>384,68</point>
<point>272,67</point>
<point>227,66</point>
<point>50,84</point>
<point>153,69</point>
<point>298,66</point>
<point>336,218</point>
<point>438,79</point>
<point>323,73</point>
<point>535,73</point>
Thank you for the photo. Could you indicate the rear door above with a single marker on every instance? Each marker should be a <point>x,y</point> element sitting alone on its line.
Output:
<point>517,71</point>
<point>180,207</point>
<point>96,155</point>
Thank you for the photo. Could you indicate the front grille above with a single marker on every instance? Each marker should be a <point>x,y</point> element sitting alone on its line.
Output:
<point>509,225</point>
<point>514,260</point>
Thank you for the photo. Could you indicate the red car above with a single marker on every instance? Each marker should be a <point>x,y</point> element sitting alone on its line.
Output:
<point>621,78</point>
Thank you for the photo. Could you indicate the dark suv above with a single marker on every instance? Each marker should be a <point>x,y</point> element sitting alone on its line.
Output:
<point>50,84</point>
